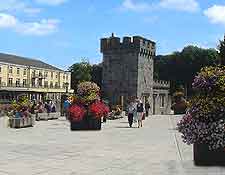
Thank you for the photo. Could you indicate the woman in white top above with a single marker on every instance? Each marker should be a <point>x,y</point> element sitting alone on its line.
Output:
<point>140,111</point>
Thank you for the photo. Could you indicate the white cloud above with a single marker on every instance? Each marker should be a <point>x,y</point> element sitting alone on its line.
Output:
<point>51,2</point>
<point>132,6</point>
<point>17,5</point>
<point>181,5</point>
<point>216,14</point>
<point>11,5</point>
<point>7,21</point>
<point>41,28</point>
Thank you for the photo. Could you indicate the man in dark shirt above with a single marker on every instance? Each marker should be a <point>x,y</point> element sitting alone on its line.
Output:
<point>147,107</point>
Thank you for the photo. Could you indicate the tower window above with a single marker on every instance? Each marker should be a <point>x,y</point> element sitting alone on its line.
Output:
<point>162,100</point>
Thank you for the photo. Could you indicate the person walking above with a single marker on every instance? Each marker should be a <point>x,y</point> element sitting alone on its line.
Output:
<point>66,106</point>
<point>48,107</point>
<point>131,110</point>
<point>147,107</point>
<point>140,111</point>
<point>53,107</point>
<point>33,107</point>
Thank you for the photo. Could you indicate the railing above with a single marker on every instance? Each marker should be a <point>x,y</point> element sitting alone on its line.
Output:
<point>37,76</point>
<point>161,83</point>
<point>16,85</point>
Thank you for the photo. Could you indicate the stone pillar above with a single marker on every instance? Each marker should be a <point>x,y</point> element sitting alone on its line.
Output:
<point>122,101</point>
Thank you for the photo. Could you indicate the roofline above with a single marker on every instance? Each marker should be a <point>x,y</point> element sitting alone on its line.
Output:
<point>7,54</point>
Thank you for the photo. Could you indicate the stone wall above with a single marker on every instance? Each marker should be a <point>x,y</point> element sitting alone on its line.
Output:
<point>128,71</point>
<point>161,102</point>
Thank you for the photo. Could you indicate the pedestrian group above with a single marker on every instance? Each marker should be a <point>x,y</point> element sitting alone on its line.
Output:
<point>137,112</point>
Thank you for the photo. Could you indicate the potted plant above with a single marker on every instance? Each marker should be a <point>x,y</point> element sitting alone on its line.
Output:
<point>19,113</point>
<point>204,123</point>
<point>180,104</point>
<point>87,109</point>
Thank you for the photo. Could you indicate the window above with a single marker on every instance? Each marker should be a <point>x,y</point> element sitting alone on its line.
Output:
<point>0,81</point>
<point>46,84</point>
<point>33,73</point>
<point>40,82</point>
<point>24,82</point>
<point>56,85</point>
<point>10,81</point>
<point>66,77</point>
<point>162,100</point>
<point>63,77</point>
<point>24,71</point>
<point>51,74</point>
<point>46,74</point>
<point>51,84</point>
<point>0,69</point>
<point>56,75</point>
<point>33,82</point>
<point>18,71</point>
<point>10,70</point>
<point>17,82</point>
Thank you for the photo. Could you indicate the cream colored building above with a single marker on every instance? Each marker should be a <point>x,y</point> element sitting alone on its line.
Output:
<point>39,80</point>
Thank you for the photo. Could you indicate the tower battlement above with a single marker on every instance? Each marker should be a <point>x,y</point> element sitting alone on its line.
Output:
<point>135,44</point>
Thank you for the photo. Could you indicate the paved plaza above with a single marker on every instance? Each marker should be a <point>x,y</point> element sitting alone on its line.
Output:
<point>50,148</point>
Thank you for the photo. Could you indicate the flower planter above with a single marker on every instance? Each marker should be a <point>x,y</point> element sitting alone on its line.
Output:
<point>94,124</point>
<point>87,123</point>
<point>47,116</point>
<point>205,157</point>
<point>54,115</point>
<point>21,122</point>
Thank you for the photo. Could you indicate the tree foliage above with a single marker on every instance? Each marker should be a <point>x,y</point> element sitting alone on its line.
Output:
<point>84,71</point>
<point>80,72</point>
<point>221,48</point>
<point>181,67</point>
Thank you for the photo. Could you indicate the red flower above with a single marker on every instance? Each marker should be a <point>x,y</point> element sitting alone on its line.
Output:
<point>99,109</point>
<point>76,112</point>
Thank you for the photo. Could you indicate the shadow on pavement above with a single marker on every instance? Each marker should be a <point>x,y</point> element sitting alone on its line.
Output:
<point>123,122</point>
<point>125,127</point>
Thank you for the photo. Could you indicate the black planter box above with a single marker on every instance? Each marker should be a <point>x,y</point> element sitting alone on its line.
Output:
<point>205,157</point>
<point>87,123</point>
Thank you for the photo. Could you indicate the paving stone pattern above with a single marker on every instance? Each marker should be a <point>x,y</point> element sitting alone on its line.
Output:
<point>50,148</point>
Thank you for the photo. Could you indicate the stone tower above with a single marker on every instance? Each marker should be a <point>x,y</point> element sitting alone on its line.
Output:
<point>127,68</point>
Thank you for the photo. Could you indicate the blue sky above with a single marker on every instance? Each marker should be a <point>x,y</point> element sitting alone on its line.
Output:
<point>61,32</point>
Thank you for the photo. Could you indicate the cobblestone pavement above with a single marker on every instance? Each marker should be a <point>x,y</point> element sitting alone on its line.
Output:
<point>50,148</point>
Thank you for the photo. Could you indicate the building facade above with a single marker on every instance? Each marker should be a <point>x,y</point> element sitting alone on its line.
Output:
<point>161,97</point>
<point>128,71</point>
<point>36,79</point>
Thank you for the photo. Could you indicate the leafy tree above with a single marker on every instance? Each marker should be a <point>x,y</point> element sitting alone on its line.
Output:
<point>221,48</point>
<point>181,67</point>
<point>96,74</point>
<point>80,72</point>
